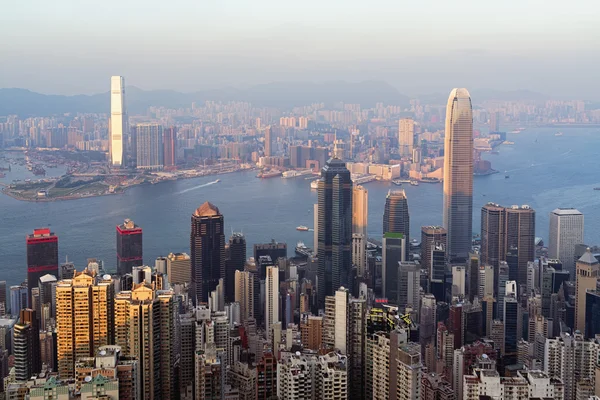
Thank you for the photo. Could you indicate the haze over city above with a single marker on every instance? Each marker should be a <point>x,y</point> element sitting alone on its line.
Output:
<point>420,47</point>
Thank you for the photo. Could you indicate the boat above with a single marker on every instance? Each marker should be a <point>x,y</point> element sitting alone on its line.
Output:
<point>506,176</point>
<point>302,228</point>
<point>217,181</point>
<point>414,183</point>
<point>597,188</point>
<point>271,174</point>
<point>558,134</point>
<point>314,184</point>
<point>302,250</point>
<point>397,182</point>
<point>507,142</point>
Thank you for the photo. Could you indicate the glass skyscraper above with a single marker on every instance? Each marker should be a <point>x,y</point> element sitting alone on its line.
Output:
<point>458,175</point>
<point>118,120</point>
<point>396,218</point>
<point>335,228</point>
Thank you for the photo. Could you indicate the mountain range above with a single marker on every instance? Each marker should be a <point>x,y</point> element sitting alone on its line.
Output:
<point>26,103</point>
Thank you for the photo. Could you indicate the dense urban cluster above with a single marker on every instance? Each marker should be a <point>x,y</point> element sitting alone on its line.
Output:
<point>440,314</point>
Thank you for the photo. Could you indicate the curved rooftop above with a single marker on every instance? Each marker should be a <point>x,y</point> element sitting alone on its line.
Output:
<point>207,209</point>
<point>460,93</point>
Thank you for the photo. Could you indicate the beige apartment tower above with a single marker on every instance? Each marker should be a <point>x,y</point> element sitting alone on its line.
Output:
<point>244,294</point>
<point>406,137</point>
<point>458,175</point>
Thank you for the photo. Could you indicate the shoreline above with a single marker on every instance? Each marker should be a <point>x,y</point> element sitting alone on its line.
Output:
<point>6,190</point>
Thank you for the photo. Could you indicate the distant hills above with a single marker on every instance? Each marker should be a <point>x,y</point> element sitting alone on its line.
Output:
<point>25,103</point>
<point>280,94</point>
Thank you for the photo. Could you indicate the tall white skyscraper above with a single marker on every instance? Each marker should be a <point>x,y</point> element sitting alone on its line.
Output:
<point>118,120</point>
<point>406,134</point>
<point>458,175</point>
<point>566,231</point>
<point>271,298</point>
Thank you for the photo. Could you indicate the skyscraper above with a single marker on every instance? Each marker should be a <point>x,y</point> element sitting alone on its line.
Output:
<point>26,345</point>
<point>236,259</point>
<point>271,299</point>
<point>268,141</point>
<point>149,146</point>
<point>508,234</point>
<point>360,210</point>
<point>170,147</point>
<point>207,250</point>
<point>393,251</point>
<point>566,231</point>
<point>406,135</point>
<point>587,274</point>
<point>118,120</point>
<point>42,258</point>
<point>179,268</point>
<point>244,294</point>
<point>129,247</point>
<point>335,228</point>
<point>458,174</point>
<point>431,237</point>
<point>396,218</point>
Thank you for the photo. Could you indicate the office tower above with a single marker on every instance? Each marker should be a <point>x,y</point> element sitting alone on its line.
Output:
<point>236,259</point>
<point>170,147</point>
<point>179,268</point>
<point>84,319</point>
<point>18,299</point>
<point>409,278</point>
<point>508,234</point>
<point>207,250</point>
<point>145,329</point>
<point>458,280</point>
<point>431,237</point>
<point>316,227</point>
<point>587,274</point>
<point>359,253</point>
<point>396,218</point>
<point>66,270</point>
<point>118,121</point>
<point>129,247</point>
<point>271,298</point>
<point>3,299</point>
<point>360,210</point>
<point>571,359</point>
<point>335,228</point>
<point>566,231</point>
<point>458,174</point>
<point>42,258</point>
<point>160,265</point>
<point>244,294</point>
<point>275,250</point>
<point>512,323</point>
<point>592,310</point>
<point>503,278</point>
<point>437,271</point>
<point>149,146</point>
<point>406,137</point>
<point>473,277</point>
<point>268,142</point>
<point>393,251</point>
<point>495,122</point>
<point>26,345</point>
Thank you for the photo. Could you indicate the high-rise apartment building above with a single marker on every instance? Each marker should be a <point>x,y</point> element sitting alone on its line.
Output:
<point>508,231</point>
<point>129,247</point>
<point>145,328</point>
<point>207,250</point>
<point>42,258</point>
<point>271,298</point>
<point>235,252</point>
<point>170,147</point>
<point>586,278</point>
<point>396,218</point>
<point>406,137</point>
<point>26,345</point>
<point>118,121</point>
<point>335,228</point>
<point>179,268</point>
<point>149,147</point>
<point>458,174</point>
<point>244,294</point>
<point>566,231</point>
<point>84,319</point>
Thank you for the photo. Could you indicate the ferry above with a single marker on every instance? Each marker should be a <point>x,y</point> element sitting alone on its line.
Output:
<point>295,173</point>
<point>507,142</point>
<point>314,184</point>
<point>302,228</point>
<point>302,250</point>
<point>217,181</point>
<point>414,183</point>
<point>506,176</point>
<point>397,182</point>
<point>558,134</point>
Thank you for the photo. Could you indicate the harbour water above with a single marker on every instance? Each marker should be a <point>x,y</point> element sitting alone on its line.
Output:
<point>545,171</point>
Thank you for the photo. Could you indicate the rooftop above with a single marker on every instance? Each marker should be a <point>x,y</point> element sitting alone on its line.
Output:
<point>588,258</point>
<point>207,210</point>
<point>566,211</point>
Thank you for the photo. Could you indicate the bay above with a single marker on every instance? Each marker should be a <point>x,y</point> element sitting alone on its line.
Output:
<point>546,171</point>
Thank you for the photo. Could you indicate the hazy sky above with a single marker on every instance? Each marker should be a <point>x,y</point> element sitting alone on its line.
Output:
<point>419,46</point>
